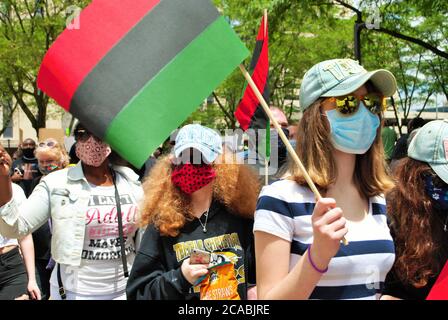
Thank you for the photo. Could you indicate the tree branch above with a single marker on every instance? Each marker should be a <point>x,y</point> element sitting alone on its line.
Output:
<point>32,16</point>
<point>424,105</point>
<point>23,105</point>
<point>405,87</point>
<point>342,3</point>
<point>442,74</point>
<point>226,113</point>
<point>8,119</point>
<point>421,43</point>
<point>439,78</point>
<point>19,17</point>
<point>416,76</point>
<point>392,100</point>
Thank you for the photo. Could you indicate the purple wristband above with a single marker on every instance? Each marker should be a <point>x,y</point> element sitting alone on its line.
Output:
<point>312,263</point>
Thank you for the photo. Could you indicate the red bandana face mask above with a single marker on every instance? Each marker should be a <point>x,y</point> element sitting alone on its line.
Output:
<point>190,178</point>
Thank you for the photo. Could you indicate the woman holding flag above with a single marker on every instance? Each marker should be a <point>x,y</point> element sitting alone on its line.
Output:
<point>297,239</point>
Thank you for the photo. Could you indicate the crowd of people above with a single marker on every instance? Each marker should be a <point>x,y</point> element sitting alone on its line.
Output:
<point>99,230</point>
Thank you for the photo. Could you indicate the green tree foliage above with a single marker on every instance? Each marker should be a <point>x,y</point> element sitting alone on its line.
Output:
<point>300,34</point>
<point>27,29</point>
<point>419,66</point>
<point>410,41</point>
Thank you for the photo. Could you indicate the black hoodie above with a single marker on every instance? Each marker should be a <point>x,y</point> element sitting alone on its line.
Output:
<point>156,273</point>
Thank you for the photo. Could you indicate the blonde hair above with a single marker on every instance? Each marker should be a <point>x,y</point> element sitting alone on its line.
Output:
<point>315,149</point>
<point>235,186</point>
<point>56,150</point>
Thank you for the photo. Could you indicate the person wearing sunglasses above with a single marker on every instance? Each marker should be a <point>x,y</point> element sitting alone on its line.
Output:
<point>93,209</point>
<point>195,199</point>
<point>51,156</point>
<point>418,212</point>
<point>339,143</point>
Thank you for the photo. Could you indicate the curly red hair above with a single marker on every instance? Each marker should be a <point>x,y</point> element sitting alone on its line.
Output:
<point>165,206</point>
<point>415,223</point>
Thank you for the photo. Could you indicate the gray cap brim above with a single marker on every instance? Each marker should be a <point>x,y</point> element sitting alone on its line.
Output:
<point>441,170</point>
<point>382,79</point>
<point>208,154</point>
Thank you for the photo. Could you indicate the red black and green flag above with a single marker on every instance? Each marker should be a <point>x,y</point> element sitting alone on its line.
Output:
<point>136,69</point>
<point>249,112</point>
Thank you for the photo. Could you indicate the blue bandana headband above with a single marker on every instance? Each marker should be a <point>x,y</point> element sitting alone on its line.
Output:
<point>439,195</point>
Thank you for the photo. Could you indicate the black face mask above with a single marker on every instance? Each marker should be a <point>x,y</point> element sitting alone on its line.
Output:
<point>282,151</point>
<point>28,152</point>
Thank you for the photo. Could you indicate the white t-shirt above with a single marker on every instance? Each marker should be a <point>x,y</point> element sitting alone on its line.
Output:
<point>359,269</point>
<point>101,270</point>
<point>19,197</point>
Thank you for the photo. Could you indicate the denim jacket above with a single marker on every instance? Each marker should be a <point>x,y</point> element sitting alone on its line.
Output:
<point>62,196</point>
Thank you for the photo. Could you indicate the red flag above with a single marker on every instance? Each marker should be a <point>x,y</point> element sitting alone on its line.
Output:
<point>249,112</point>
<point>118,72</point>
<point>440,289</point>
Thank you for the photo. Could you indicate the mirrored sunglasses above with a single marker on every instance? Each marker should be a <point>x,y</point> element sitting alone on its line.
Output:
<point>349,104</point>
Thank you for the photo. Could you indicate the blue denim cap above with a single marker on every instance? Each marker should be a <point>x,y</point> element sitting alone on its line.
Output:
<point>430,145</point>
<point>203,139</point>
<point>339,77</point>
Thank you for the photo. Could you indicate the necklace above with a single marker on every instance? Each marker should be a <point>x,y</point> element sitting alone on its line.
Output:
<point>204,225</point>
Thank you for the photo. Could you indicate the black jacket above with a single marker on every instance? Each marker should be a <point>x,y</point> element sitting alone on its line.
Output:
<point>156,273</point>
<point>30,171</point>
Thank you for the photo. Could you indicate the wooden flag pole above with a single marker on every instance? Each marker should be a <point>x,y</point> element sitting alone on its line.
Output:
<point>266,161</point>
<point>282,135</point>
<point>266,172</point>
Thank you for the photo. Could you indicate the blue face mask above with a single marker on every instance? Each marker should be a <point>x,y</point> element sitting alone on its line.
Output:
<point>355,133</point>
<point>438,195</point>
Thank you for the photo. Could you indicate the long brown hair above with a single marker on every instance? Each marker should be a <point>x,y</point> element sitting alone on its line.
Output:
<point>315,150</point>
<point>169,209</point>
<point>416,224</point>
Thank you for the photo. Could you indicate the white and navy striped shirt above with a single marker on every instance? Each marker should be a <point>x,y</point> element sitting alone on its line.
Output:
<point>358,270</point>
